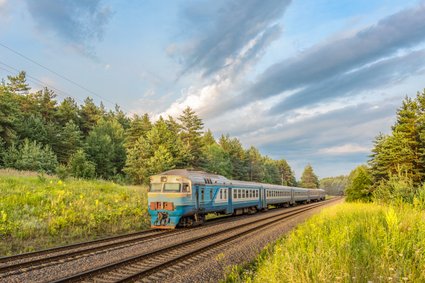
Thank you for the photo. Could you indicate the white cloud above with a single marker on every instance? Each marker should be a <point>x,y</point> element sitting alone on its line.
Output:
<point>345,149</point>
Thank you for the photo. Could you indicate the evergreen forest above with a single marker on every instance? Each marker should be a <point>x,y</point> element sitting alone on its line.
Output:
<point>40,133</point>
<point>395,172</point>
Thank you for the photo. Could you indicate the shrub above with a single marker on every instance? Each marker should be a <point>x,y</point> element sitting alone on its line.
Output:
<point>359,184</point>
<point>80,167</point>
<point>30,155</point>
<point>62,172</point>
<point>398,189</point>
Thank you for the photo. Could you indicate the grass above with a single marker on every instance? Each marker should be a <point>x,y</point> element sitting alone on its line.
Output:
<point>345,243</point>
<point>39,212</point>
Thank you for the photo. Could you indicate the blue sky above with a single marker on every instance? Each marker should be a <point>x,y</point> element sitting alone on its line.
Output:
<point>308,81</point>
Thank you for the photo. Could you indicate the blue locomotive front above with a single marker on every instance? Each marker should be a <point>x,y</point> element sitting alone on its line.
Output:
<point>169,197</point>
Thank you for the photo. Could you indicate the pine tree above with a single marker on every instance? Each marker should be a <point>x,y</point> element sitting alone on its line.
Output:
<point>69,141</point>
<point>9,116</point>
<point>18,84</point>
<point>255,166</point>
<point>139,126</point>
<point>208,138</point>
<point>380,158</point>
<point>217,160</point>
<point>287,177</point>
<point>105,148</point>
<point>238,157</point>
<point>68,111</point>
<point>271,171</point>
<point>309,179</point>
<point>406,143</point>
<point>158,151</point>
<point>89,115</point>
<point>191,135</point>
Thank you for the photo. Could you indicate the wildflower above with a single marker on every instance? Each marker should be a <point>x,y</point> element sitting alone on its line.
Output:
<point>60,182</point>
<point>400,254</point>
<point>97,202</point>
<point>405,278</point>
<point>391,269</point>
<point>390,278</point>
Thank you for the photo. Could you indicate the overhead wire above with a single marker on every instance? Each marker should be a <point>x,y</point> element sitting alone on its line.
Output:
<point>40,83</point>
<point>58,74</point>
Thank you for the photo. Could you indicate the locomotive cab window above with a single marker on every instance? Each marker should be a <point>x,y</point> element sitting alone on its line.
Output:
<point>185,188</point>
<point>172,187</point>
<point>155,187</point>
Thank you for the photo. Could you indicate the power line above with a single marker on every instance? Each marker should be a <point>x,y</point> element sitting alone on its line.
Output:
<point>41,83</point>
<point>57,74</point>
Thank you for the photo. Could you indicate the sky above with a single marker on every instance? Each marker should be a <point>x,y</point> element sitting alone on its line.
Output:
<point>313,82</point>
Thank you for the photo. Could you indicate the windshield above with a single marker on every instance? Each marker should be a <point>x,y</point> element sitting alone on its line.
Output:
<point>155,187</point>
<point>172,187</point>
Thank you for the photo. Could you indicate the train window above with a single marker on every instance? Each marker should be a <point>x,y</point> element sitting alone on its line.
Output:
<point>221,194</point>
<point>250,193</point>
<point>239,193</point>
<point>235,194</point>
<point>202,194</point>
<point>211,193</point>
<point>155,187</point>
<point>225,193</point>
<point>185,188</point>
<point>256,193</point>
<point>172,187</point>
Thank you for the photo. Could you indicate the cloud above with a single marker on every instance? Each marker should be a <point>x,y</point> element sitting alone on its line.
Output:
<point>345,149</point>
<point>398,31</point>
<point>234,32</point>
<point>385,72</point>
<point>348,58</point>
<point>79,23</point>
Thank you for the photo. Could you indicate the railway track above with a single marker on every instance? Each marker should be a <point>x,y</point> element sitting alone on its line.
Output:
<point>148,265</point>
<point>32,260</point>
<point>16,264</point>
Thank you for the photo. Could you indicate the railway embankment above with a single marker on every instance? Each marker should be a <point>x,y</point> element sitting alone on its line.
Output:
<point>350,242</point>
<point>40,211</point>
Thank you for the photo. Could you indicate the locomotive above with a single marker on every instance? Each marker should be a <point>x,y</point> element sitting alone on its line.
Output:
<point>182,197</point>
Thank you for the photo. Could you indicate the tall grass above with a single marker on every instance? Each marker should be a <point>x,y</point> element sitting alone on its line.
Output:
<point>346,243</point>
<point>38,212</point>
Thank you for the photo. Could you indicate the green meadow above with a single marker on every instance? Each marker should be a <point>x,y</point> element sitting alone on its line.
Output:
<point>350,242</point>
<point>40,211</point>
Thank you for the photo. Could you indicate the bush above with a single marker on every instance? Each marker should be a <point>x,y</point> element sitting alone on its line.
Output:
<point>80,167</point>
<point>359,184</point>
<point>398,189</point>
<point>32,156</point>
<point>62,172</point>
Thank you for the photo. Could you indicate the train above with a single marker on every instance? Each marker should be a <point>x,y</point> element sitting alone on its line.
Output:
<point>183,197</point>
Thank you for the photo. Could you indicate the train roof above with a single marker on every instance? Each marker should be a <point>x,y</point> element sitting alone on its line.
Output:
<point>201,177</point>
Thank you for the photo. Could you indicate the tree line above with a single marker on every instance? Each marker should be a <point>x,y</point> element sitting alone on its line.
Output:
<point>396,168</point>
<point>87,141</point>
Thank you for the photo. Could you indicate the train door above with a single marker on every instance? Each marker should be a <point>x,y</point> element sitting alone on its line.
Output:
<point>263,198</point>
<point>229,201</point>
<point>197,198</point>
